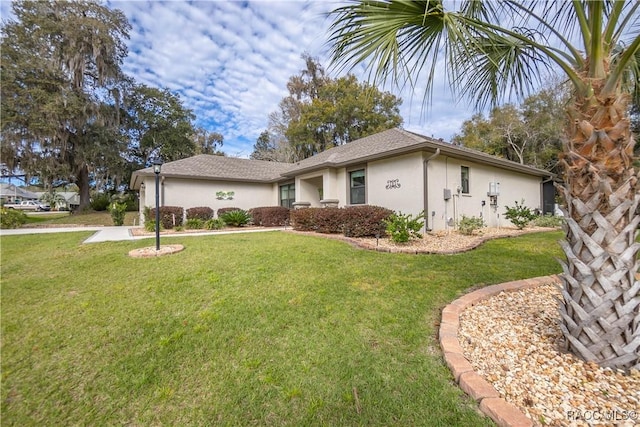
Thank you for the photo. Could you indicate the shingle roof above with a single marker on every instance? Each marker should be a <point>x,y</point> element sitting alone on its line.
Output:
<point>205,166</point>
<point>382,145</point>
<point>394,142</point>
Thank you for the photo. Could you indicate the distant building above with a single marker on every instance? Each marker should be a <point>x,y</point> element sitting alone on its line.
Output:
<point>11,193</point>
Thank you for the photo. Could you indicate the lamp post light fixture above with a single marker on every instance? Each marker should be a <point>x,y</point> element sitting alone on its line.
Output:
<point>157,165</point>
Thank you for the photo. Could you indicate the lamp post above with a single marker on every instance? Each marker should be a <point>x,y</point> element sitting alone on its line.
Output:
<point>157,165</point>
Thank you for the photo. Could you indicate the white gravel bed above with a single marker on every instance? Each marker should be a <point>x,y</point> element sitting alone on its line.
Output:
<point>513,340</point>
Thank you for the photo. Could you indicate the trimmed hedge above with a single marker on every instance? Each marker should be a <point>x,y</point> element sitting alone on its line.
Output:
<point>354,221</point>
<point>222,211</point>
<point>204,213</point>
<point>168,214</point>
<point>270,216</point>
<point>366,221</point>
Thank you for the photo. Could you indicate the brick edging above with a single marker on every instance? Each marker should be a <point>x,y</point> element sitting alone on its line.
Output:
<point>503,413</point>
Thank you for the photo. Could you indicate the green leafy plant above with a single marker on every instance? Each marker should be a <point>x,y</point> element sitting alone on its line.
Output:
<point>100,201</point>
<point>237,218</point>
<point>402,228</point>
<point>150,225</point>
<point>467,225</point>
<point>12,218</point>
<point>214,224</point>
<point>117,211</point>
<point>548,220</point>
<point>519,215</point>
<point>194,224</point>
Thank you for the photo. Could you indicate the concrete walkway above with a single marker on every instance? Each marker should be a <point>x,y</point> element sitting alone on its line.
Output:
<point>115,234</point>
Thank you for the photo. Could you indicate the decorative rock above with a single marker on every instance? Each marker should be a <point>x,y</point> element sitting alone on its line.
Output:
<point>150,252</point>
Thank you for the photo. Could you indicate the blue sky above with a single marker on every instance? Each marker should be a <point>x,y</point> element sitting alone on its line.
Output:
<point>230,61</point>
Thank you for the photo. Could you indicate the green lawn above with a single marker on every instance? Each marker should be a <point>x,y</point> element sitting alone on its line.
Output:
<point>254,329</point>
<point>85,218</point>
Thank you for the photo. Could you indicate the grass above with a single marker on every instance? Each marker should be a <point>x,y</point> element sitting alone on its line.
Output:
<point>270,329</point>
<point>91,218</point>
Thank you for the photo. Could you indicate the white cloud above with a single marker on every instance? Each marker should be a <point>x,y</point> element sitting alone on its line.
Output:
<point>230,62</point>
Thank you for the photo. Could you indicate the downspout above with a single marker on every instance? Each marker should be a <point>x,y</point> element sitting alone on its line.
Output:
<point>426,189</point>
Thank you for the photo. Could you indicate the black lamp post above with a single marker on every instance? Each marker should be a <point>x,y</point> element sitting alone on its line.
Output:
<point>157,165</point>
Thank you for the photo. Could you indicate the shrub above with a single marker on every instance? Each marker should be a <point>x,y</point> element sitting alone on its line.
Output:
<point>214,224</point>
<point>329,220</point>
<point>150,225</point>
<point>303,219</point>
<point>117,211</point>
<point>194,224</point>
<point>270,216</point>
<point>12,218</point>
<point>365,221</point>
<point>548,220</point>
<point>403,228</point>
<point>237,218</point>
<point>170,216</point>
<point>222,211</point>
<point>100,201</point>
<point>467,225</point>
<point>204,213</point>
<point>520,215</point>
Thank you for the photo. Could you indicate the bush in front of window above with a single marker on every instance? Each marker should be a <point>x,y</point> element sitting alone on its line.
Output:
<point>354,221</point>
<point>365,221</point>
<point>320,220</point>
<point>304,219</point>
<point>202,212</point>
<point>270,216</point>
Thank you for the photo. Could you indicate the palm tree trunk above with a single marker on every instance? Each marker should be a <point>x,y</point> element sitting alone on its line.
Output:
<point>601,293</point>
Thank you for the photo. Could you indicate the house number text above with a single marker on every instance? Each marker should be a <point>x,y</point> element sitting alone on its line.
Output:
<point>392,183</point>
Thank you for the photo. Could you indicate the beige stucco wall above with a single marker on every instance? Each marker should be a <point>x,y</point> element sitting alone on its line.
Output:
<point>396,183</point>
<point>444,172</point>
<point>190,193</point>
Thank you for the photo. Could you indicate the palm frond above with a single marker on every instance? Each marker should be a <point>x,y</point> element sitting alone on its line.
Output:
<point>494,68</point>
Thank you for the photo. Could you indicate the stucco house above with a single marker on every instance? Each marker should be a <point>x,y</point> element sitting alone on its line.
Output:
<point>396,169</point>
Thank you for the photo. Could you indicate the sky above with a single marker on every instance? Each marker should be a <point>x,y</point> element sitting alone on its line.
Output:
<point>230,62</point>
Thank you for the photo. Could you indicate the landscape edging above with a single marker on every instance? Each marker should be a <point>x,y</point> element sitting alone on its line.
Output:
<point>503,413</point>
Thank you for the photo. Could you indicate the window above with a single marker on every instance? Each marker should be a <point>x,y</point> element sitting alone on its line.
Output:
<point>464,179</point>
<point>287,195</point>
<point>357,187</point>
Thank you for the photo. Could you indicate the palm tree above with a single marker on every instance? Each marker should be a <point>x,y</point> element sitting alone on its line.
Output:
<point>493,50</point>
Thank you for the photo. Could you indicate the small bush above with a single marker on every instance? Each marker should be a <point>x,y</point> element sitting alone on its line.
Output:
<point>270,216</point>
<point>150,225</point>
<point>365,221</point>
<point>467,225</point>
<point>329,220</point>
<point>214,224</point>
<point>222,211</point>
<point>548,220</point>
<point>12,218</point>
<point>170,216</point>
<point>204,213</point>
<point>519,215</point>
<point>237,218</point>
<point>117,211</point>
<point>304,219</point>
<point>100,201</point>
<point>403,228</point>
<point>194,224</point>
